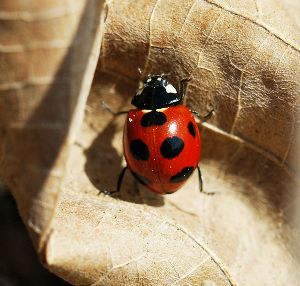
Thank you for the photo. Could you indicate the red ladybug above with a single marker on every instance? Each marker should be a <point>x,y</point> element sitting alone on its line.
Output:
<point>161,139</point>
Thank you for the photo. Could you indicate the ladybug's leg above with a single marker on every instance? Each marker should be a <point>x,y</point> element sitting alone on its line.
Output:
<point>200,179</point>
<point>120,179</point>
<point>119,184</point>
<point>201,183</point>
<point>181,87</point>
<point>106,107</point>
<point>204,117</point>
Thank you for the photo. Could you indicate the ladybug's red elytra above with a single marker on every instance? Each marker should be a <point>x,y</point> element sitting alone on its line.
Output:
<point>161,139</point>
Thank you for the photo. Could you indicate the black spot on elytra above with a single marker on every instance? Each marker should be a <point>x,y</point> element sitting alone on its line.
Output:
<point>192,129</point>
<point>153,118</point>
<point>169,193</point>
<point>171,147</point>
<point>143,180</point>
<point>182,175</point>
<point>139,150</point>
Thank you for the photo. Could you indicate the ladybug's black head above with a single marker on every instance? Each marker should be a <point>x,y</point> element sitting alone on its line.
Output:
<point>156,92</point>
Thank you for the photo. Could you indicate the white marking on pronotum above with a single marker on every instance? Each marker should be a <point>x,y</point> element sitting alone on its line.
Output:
<point>170,88</point>
<point>159,110</point>
<point>139,91</point>
<point>141,84</point>
<point>162,109</point>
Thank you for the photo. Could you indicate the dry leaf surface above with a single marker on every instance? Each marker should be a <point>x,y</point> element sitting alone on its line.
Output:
<point>243,58</point>
<point>48,56</point>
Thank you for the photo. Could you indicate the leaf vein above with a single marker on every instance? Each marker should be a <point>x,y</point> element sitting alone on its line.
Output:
<point>261,25</point>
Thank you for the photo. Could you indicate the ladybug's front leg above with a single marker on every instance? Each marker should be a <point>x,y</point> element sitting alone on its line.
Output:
<point>181,87</point>
<point>106,107</point>
<point>201,183</point>
<point>204,117</point>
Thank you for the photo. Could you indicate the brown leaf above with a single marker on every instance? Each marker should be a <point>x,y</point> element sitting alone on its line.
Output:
<point>48,57</point>
<point>243,58</point>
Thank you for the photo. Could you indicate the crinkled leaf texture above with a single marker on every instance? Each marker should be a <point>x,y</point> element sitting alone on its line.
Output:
<point>243,58</point>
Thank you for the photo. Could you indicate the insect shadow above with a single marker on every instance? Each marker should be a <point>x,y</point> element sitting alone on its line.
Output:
<point>103,166</point>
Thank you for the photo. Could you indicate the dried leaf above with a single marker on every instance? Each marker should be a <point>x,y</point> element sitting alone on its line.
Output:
<point>48,55</point>
<point>243,58</point>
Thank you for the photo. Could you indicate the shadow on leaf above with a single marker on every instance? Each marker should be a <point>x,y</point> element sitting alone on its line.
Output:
<point>103,166</point>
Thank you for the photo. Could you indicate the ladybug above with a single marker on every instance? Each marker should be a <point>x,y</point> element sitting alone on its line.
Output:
<point>161,139</point>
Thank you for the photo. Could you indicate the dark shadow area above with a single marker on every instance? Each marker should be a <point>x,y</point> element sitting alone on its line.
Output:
<point>103,166</point>
<point>19,265</point>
